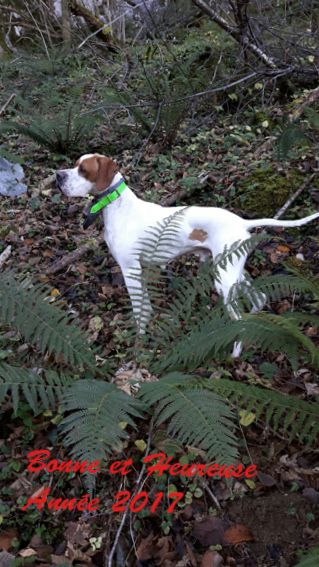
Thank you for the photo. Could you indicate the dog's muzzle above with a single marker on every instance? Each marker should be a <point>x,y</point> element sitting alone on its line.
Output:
<point>60,178</point>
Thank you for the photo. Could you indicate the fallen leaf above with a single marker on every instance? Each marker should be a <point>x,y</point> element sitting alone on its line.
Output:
<point>312,389</point>
<point>312,495</point>
<point>140,444</point>
<point>144,550</point>
<point>265,479</point>
<point>246,417</point>
<point>209,531</point>
<point>6,559</point>
<point>283,249</point>
<point>211,559</point>
<point>59,560</point>
<point>55,292</point>
<point>6,538</point>
<point>28,552</point>
<point>238,534</point>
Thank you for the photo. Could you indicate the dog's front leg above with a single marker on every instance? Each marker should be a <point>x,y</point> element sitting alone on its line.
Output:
<point>139,296</point>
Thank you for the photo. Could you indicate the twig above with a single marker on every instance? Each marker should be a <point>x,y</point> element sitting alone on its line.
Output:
<point>211,494</point>
<point>138,158</point>
<point>47,181</point>
<point>139,479</point>
<point>6,104</point>
<point>73,256</point>
<point>5,255</point>
<point>293,197</point>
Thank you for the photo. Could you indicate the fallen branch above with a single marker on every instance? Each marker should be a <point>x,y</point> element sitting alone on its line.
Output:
<point>235,33</point>
<point>293,197</point>
<point>309,99</point>
<point>5,255</point>
<point>6,104</point>
<point>74,256</point>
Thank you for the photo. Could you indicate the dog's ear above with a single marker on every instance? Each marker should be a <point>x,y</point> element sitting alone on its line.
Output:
<point>107,169</point>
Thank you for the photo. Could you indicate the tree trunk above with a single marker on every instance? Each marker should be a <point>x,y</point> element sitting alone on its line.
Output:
<point>94,24</point>
<point>66,24</point>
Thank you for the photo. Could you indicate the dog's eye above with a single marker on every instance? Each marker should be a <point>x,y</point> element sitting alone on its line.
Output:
<point>81,169</point>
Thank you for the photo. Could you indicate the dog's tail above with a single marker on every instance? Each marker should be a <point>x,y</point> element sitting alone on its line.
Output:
<point>284,224</point>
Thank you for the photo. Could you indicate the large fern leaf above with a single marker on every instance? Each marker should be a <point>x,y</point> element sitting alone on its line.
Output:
<point>40,391</point>
<point>214,338</point>
<point>287,414</point>
<point>25,307</point>
<point>94,410</point>
<point>310,559</point>
<point>195,417</point>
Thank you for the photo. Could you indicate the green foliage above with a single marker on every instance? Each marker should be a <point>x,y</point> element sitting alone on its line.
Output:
<point>25,307</point>
<point>265,189</point>
<point>297,133</point>
<point>41,391</point>
<point>67,132</point>
<point>95,409</point>
<point>291,136</point>
<point>149,99</point>
<point>285,414</point>
<point>310,559</point>
<point>214,337</point>
<point>195,416</point>
<point>190,333</point>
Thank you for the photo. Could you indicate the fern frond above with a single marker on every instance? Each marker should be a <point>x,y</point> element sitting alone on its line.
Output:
<point>24,306</point>
<point>194,417</point>
<point>291,416</point>
<point>94,410</point>
<point>40,391</point>
<point>310,559</point>
<point>291,136</point>
<point>216,335</point>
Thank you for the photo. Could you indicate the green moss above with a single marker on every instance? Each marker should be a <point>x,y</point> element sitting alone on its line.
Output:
<point>265,190</point>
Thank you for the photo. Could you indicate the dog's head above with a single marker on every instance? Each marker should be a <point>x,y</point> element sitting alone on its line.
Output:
<point>92,173</point>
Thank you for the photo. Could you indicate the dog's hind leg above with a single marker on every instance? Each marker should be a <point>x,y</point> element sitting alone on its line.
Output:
<point>228,278</point>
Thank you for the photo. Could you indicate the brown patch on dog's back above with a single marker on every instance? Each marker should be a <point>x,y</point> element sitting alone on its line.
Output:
<point>198,234</point>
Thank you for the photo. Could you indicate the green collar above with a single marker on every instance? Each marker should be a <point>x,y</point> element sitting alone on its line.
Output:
<point>102,200</point>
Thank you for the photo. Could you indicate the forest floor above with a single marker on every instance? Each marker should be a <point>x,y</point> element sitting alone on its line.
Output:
<point>264,522</point>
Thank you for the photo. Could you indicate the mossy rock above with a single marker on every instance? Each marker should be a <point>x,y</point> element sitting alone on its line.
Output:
<point>265,190</point>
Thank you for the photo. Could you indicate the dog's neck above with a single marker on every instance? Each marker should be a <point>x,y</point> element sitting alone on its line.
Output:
<point>124,201</point>
<point>116,179</point>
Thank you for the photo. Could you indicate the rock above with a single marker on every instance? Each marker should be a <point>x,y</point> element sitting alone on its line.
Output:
<point>10,177</point>
<point>6,559</point>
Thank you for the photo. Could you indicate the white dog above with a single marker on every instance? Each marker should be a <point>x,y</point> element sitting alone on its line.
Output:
<point>128,220</point>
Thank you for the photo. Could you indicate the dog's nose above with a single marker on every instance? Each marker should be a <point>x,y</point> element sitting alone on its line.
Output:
<point>60,176</point>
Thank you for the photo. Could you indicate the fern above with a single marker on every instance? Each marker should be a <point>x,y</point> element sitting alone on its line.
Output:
<point>65,133</point>
<point>95,409</point>
<point>151,252</point>
<point>40,391</point>
<point>214,338</point>
<point>293,417</point>
<point>310,559</point>
<point>195,417</point>
<point>24,306</point>
<point>291,136</point>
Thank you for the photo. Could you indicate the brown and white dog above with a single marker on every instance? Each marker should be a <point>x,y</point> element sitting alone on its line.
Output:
<point>128,219</point>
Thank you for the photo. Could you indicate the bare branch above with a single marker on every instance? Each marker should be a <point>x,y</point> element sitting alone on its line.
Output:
<point>236,34</point>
